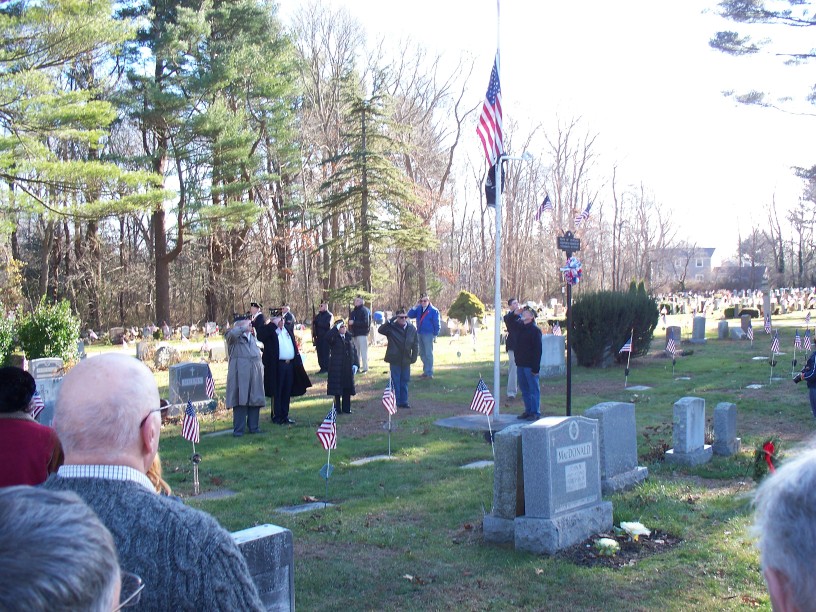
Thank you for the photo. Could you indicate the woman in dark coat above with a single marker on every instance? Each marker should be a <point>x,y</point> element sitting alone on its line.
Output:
<point>343,365</point>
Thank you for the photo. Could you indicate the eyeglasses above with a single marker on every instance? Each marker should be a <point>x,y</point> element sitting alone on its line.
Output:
<point>402,316</point>
<point>424,301</point>
<point>131,590</point>
<point>149,413</point>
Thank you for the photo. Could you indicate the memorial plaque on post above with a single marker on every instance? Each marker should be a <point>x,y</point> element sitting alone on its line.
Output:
<point>188,382</point>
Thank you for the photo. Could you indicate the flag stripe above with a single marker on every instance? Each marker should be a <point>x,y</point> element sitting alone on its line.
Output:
<point>490,128</point>
<point>389,400</point>
<point>189,428</point>
<point>327,431</point>
<point>482,399</point>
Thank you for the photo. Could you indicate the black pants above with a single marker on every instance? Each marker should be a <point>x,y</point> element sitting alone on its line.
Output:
<point>322,349</point>
<point>286,373</point>
<point>344,401</point>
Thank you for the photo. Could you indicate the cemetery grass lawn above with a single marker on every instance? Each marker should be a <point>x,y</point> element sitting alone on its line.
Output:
<point>405,534</point>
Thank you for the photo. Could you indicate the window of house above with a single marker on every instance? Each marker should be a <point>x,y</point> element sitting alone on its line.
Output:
<point>699,262</point>
<point>699,277</point>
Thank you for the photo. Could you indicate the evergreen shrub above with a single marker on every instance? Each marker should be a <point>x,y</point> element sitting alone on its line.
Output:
<point>52,330</point>
<point>603,321</point>
<point>465,307</point>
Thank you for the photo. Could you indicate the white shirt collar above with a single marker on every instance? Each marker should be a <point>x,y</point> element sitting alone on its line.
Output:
<point>108,472</point>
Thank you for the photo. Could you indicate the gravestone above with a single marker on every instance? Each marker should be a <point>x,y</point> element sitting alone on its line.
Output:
<point>188,382</point>
<point>553,360</point>
<point>47,373</point>
<point>617,437</point>
<point>144,351</point>
<point>508,486</point>
<point>722,330</point>
<point>218,352</point>
<point>48,367</point>
<point>688,433</point>
<point>698,331</point>
<point>81,350</point>
<point>745,322</point>
<point>210,328</point>
<point>562,485</point>
<point>736,333</point>
<point>185,331</point>
<point>116,335</point>
<point>726,442</point>
<point>674,331</point>
<point>270,557</point>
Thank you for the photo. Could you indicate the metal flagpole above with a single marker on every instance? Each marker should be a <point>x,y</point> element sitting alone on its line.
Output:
<point>328,472</point>
<point>497,305</point>
<point>195,472</point>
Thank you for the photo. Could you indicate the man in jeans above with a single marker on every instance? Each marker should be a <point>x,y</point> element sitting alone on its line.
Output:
<point>400,353</point>
<point>359,322</point>
<point>427,318</point>
<point>528,359</point>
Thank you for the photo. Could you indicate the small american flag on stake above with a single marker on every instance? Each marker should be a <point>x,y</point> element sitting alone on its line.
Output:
<point>209,383</point>
<point>483,400</point>
<point>626,348</point>
<point>670,346</point>
<point>797,340</point>
<point>775,344</point>
<point>806,342</point>
<point>767,324</point>
<point>750,333</point>
<point>389,400</point>
<point>189,428</point>
<point>37,404</point>
<point>327,431</point>
<point>556,329</point>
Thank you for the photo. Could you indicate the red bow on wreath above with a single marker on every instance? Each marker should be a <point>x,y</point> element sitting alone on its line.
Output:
<point>769,449</point>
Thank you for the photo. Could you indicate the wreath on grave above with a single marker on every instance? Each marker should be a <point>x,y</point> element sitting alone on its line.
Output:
<point>766,457</point>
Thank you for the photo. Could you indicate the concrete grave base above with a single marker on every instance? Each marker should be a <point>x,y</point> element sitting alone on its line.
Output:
<point>698,457</point>
<point>200,408</point>
<point>727,449</point>
<point>270,557</point>
<point>498,530</point>
<point>698,340</point>
<point>626,480</point>
<point>548,536</point>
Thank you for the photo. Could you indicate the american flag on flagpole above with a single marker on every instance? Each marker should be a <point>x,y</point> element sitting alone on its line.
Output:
<point>806,342</point>
<point>626,348</point>
<point>37,404</point>
<point>750,333</point>
<point>209,383</point>
<point>775,344</point>
<point>483,400</point>
<point>545,206</point>
<point>556,329</point>
<point>797,340</point>
<point>670,346</point>
<point>490,129</point>
<point>389,400</point>
<point>582,216</point>
<point>189,428</point>
<point>767,324</point>
<point>327,431</point>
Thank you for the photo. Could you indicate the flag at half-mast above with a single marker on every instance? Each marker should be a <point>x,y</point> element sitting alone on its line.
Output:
<point>490,129</point>
<point>483,400</point>
<point>582,216</point>
<point>546,205</point>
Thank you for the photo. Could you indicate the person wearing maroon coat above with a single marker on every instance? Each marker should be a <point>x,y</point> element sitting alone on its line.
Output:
<point>29,452</point>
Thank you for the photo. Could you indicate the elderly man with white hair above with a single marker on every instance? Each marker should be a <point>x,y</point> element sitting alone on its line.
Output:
<point>107,416</point>
<point>785,523</point>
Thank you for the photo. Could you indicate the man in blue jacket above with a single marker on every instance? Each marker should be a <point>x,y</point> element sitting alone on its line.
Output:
<point>427,318</point>
<point>528,358</point>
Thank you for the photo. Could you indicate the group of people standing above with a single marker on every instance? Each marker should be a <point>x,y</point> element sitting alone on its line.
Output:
<point>253,375</point>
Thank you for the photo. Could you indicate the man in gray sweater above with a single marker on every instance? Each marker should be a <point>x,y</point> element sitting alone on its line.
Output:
<point>107,417</point>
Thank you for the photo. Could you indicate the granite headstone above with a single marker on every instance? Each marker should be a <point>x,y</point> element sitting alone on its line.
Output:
<point>508,486</point>
<point>553,356</point>
<point>269,553</point>
<point>688,433</point>
<point>726,442</point>
<point>617,437</point>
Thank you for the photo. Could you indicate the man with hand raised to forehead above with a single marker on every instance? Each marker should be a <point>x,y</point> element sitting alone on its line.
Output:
<point>528,358</point>
<point>107,416</point>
